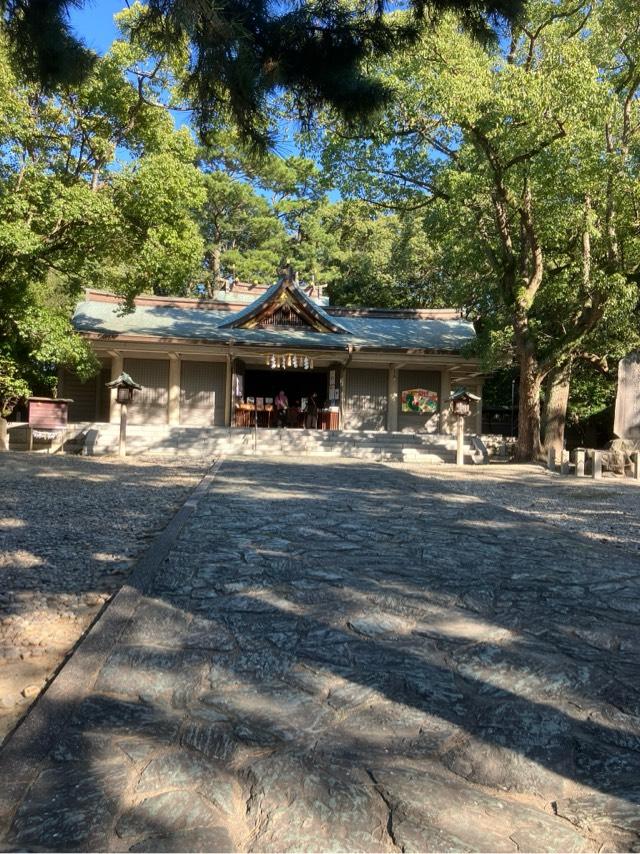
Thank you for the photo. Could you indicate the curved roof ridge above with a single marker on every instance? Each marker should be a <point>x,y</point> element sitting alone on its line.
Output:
<point>273,295</point>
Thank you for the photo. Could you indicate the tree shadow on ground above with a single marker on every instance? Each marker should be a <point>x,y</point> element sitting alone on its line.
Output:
<point>344,655</point>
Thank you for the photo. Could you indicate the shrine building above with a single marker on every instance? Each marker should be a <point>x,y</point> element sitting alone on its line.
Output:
<point>221,362</point>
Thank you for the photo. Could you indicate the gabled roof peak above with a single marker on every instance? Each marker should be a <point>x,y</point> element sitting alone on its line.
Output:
<point>285,304</point>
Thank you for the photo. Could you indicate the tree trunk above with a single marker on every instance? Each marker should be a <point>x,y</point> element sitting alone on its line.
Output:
<point>213,262</point>
<point>555,412</point>
<point>528,446</point>
<point>4,435</point>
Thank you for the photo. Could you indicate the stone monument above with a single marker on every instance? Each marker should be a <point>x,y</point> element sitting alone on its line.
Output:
<point>626,423</point>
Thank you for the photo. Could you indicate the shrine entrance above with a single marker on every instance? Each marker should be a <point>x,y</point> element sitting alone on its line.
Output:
<point>261,388</point>
<point>257,388</point>
<point>297,385</point>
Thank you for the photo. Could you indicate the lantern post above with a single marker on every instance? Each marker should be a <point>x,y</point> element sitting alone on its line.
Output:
<point>124,387</point>
<point>461,401</point>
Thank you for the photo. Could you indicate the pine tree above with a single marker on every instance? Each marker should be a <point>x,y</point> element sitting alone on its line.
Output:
<point>242,51</point>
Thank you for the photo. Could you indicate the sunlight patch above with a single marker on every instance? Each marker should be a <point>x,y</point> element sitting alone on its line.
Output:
<point>19,559</point>
<point>11,522</point>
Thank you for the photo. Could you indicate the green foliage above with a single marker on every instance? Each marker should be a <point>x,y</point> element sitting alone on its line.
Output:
<point>243,51</point>
<point>43,44</point>
<point>383,261</point>
<point>158,197</point>
<point>523,160</point>
<point>263,214</point>
<point>75,214</point>
<point>592,393</point>
<point>12,387</point>
<point>243,236</point>
<point>38,339</point>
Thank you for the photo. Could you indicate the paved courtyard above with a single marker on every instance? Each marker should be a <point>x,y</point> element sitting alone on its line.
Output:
<point>353,657</point>
<point>70,530</point>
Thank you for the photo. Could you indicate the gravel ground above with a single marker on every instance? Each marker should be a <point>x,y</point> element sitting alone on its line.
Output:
<point>70,530</point>
<point>607,511</point>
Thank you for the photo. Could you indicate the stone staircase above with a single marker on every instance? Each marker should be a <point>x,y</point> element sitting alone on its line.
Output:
<point>213,441</point>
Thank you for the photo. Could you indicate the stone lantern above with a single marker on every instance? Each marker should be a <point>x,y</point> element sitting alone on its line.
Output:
<point>125,388</point>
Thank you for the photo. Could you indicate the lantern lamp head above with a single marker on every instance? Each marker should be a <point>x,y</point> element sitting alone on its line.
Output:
<point>124,387</point>
<point>461,401</point>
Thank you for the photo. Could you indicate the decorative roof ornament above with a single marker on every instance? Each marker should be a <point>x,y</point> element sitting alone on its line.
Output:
<point>285,304</point>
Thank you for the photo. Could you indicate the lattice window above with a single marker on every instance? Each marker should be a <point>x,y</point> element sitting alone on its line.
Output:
<point>284,315</point>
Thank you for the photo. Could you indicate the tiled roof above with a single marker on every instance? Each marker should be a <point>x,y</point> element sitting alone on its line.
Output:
<point>366,332</point>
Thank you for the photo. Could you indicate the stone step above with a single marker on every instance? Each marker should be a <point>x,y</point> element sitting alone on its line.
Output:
<point>207,441</point>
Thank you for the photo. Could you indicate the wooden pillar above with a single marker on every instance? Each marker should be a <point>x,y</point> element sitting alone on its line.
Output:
<point>580,455</point>
<point>99,392</point>
<point>596,465</point>
<point>117,362</point>
<point>174,388</point>
<point>635,458</point>
<point>445,391</point>
<point>392,399</point>
<point>342,403</point>
<point>228,390</point>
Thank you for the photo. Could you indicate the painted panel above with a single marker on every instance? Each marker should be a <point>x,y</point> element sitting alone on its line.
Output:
<point>202,387</point>
<point>427,382</point>
<point>366,404</point>
<point>151,404</point>
<point>420,400</point>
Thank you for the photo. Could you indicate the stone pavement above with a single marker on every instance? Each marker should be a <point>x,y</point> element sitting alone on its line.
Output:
<point>70,530</point>
<point>345,657</point>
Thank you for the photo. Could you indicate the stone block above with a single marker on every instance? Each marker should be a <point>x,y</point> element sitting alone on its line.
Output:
<point>151,672</point>
<point>201,839</point>
<point>100,714</point>
<point>602,813</point>
<point>455,817</point>
<point>213,739</point>
<point>167,813</point>
<point>312,808</point>
<point>627,412</point>
<point>185,770</point>
<point>69,807</point>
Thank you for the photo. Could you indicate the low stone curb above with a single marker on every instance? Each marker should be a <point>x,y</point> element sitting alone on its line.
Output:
<point>35,735</point>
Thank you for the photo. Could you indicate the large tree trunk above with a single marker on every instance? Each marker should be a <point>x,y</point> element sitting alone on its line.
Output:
<point>528,446</point>
<point>213,261</point>
<point>4,435</point>
<point>555,413</point>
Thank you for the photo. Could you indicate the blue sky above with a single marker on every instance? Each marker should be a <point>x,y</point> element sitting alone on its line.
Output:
<point>94,22</point>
